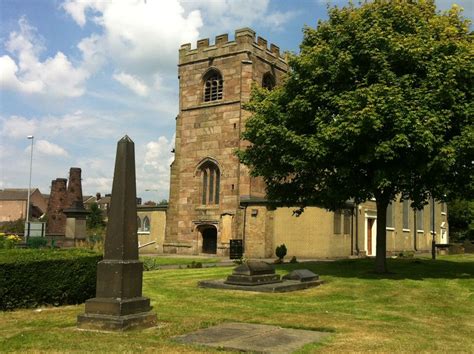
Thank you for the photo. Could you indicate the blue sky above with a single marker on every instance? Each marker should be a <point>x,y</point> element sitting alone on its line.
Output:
<point>80,74</point>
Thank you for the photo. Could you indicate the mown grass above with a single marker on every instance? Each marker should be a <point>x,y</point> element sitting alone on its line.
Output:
<point>183,261</point>
<point>423,305</point>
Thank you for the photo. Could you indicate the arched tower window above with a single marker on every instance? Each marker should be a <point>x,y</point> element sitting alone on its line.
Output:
<point>210,183</point>
<point>268,81</point>
<point>146,224</point>
<point>213,85</point>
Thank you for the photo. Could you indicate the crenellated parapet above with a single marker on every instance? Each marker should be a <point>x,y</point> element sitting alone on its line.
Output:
<point>245,40</point>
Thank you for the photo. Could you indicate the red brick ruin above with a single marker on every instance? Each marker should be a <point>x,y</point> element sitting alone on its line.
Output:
<point>74,189</point>
<point>62,198</point>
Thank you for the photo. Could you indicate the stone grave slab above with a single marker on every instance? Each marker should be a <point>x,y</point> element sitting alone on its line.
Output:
<point>301,275</point>
<point>252,337</point>
<point>253,273</point>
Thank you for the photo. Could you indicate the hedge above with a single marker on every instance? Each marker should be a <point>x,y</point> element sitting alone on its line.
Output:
<point>36,277</point>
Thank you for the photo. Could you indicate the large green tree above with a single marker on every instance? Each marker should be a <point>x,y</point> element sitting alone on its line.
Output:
<point>378,104</point>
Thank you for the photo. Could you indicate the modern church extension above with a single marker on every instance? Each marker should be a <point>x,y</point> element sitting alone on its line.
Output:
<point>213,199</point>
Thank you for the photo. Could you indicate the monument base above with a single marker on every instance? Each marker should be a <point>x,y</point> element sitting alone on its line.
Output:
<point>101,322</point>
<point>253,279</point>
<point>117,314</point>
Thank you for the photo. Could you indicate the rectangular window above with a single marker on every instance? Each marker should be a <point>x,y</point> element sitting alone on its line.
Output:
<point>337,222</point>
<point>406,213</point>
<point>389,216</point>
<point>443,207</point>
<point>419,220</point>
<point>347,222</point>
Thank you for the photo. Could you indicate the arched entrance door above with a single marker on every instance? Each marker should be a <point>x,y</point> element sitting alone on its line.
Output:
<point>209,240</point>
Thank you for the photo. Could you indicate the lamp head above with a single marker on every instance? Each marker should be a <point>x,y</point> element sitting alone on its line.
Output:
<point>30,136</point>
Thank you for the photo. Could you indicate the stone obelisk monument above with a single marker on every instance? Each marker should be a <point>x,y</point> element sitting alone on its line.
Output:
<point>119,304</point>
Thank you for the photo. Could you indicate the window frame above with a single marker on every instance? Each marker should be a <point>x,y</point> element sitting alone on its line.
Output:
<point>209,181</point>
<point>213,86</point>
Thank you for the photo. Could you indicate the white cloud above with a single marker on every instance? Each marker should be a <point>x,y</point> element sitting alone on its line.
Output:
<point>92,185</point>
<point>55,76</point>
<point>132,82</point>
<point>153,171</point>
<point>277,19</point>
<point>47,148</point>
<point>227,15</point>
<point>18,127</point>
<point>140,37</point>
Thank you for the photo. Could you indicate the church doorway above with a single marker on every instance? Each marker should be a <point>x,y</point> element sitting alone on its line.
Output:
<point>209,240</point>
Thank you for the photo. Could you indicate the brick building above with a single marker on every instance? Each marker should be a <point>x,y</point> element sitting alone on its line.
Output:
<point>213,199</point>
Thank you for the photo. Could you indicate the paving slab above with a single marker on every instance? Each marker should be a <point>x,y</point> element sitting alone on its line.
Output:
<point>252,337</point>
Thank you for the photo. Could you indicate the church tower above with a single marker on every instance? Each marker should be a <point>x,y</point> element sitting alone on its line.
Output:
<point>208,184</point>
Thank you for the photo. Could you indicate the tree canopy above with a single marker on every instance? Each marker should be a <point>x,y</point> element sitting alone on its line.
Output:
<point>95,219</point>
<point>378,104</point>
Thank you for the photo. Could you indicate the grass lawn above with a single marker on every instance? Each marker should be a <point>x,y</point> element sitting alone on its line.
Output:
<point>184,261</point>
<point>422,306</point>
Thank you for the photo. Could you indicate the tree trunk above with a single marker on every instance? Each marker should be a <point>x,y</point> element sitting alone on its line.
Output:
<point>381,249</point>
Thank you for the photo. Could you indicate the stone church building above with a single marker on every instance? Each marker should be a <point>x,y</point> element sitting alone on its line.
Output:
<point>213,199</point>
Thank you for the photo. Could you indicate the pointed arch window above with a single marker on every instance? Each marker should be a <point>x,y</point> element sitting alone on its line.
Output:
<point>139,223</point>
<point>268,81</point>
<point>213,86</point>
<point>146,224</point>
<point>210,183</point>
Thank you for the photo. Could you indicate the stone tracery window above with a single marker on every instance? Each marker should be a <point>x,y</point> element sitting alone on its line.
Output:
<point>213,85</point>
<point>210,183</point>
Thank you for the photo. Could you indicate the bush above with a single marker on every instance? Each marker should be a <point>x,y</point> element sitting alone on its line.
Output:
<point>150,263</point>
<point>280,252</point>
<point>31,278</point>
<point>293,260</point>
<point>36,242</point>
<point>194,265</point>
<point>8,241</point>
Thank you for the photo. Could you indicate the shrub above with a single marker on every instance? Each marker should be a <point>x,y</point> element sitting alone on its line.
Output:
<point>36,277</point>
<point>8,241</point>
<point>293,260</point>
<point>150,263</point>
<point>194,265</point>
<point>36,242</point>
<point>280,252</point>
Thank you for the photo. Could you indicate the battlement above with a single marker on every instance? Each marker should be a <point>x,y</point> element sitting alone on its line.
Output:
<point>244,37</point>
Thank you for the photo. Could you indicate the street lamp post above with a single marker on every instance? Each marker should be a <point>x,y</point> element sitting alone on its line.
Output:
<point>27,234</point>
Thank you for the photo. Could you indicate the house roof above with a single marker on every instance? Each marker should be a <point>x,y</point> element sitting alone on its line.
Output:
<point>89,198</point>
<point>15,193</point>
<point>104,200</point>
